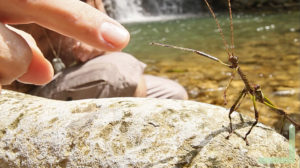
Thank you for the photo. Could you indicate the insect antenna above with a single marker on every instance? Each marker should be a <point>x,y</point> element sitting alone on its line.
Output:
<point>231,27</point>
<point>219,27</point>
<point>229,51</point>
<point>232,50</point>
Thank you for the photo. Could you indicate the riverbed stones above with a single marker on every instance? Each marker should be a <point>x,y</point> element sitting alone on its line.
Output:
<point>129,132</point>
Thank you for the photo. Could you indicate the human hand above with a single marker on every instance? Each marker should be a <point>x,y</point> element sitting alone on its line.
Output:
<point>69,17</point>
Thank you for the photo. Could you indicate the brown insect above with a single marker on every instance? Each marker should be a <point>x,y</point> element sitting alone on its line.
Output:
<point>253,91</point>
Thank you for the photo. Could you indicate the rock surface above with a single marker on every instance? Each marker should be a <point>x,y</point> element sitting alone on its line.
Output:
<point>128,132</point>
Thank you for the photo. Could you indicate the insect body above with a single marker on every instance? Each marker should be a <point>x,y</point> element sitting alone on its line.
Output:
<point>253,91</point>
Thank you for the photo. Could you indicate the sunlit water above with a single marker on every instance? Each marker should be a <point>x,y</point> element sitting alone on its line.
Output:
<point>267,46</point>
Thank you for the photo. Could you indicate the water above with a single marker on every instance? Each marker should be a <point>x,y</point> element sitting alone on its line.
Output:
<point>121,9</point>
<point>266,44</point>
<point>150,10</point>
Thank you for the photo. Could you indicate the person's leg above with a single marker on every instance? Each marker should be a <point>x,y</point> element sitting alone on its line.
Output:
<point>112,75</point>
<point>158,87</point>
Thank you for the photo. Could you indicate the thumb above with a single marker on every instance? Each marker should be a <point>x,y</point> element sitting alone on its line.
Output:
<point>21,58</point>
<point>40,70</point>
<point>15,55</point>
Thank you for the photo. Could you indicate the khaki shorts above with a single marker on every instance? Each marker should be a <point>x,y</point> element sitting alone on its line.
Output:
<point>112,75</point>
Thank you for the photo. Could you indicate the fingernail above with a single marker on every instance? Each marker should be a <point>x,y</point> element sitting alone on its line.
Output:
<point>113,34</point>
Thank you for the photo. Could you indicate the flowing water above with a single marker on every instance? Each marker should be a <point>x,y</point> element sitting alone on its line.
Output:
<point>268,46</point>
<point>147,10</point>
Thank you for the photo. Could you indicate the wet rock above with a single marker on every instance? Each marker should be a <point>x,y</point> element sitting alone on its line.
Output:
<point>128,132</point>
<point>176,70</point>
<point>194,93</point>
<point>285,93</point>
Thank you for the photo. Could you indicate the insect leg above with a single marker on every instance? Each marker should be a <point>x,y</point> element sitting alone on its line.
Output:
<point>282,124</point>
<point>233,108</point>
<point>256,118</point>
<point>227,86</point>
<point>268,103</point>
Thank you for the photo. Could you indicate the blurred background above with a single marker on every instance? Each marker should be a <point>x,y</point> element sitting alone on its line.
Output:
<point>267,42</point>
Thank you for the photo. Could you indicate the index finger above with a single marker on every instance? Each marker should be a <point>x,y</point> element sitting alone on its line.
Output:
<point>72,18</point>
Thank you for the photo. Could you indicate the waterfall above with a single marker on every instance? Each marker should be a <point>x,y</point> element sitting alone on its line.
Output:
<point>145,10</point>
<point>122,10</point>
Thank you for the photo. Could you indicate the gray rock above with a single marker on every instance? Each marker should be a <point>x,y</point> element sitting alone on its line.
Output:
<point>128,132</point>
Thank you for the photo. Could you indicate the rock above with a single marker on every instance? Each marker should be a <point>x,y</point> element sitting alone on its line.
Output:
<point>128,132</point>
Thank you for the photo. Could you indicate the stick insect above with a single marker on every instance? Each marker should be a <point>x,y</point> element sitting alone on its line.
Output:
<point>254,91</point>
